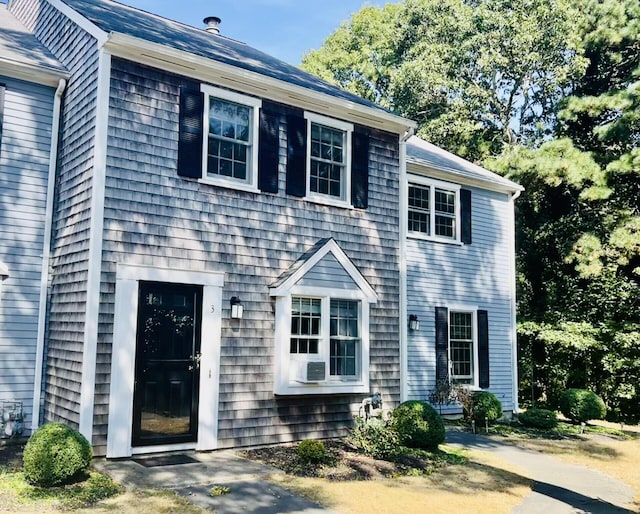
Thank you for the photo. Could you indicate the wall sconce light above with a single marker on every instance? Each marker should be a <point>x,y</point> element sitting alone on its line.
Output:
<point>236,308</point>
<point>414,323</point>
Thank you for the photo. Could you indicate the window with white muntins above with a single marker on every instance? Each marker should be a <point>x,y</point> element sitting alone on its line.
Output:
<point>462,347</point>
<point>322,328</point>
<point>433,209</point>
<point>230,150</point>
<point>328,160</point>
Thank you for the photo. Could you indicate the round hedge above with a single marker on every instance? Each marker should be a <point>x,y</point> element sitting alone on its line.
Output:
<point>55,454</point>
<point>311,451</point>
<point>486,405</point>
<point>582,405</point>
<point>418,425</point>
<point>538,418</point>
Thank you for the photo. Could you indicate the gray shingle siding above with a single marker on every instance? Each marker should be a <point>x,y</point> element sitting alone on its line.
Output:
<point>24,171</point>
<point>478,274</point>
<point>155,217</point>
<point>77,51</point>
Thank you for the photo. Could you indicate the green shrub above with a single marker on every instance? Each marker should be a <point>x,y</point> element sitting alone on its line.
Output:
<point>418,425</point>
<point>376,438</point>
<point>538,418</point>
<point>582,405</point>
<point>55,454</point>
<point>485,405</point>
<point>311,451</point>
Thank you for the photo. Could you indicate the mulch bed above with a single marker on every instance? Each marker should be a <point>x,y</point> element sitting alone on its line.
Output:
<point>342,462</point>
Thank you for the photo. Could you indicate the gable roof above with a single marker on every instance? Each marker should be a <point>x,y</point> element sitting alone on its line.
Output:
<point>432,160</point>
<point>310,258</point>
<point>22,56</point>
<point>116,19</point>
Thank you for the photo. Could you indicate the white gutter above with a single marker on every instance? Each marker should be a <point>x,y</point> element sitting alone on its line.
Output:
<point>404,202</point>
<point>512,280</point>
<point>46,253</point>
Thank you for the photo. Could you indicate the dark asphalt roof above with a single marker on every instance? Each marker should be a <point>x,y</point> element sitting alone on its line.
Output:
<point>18,45</point>
<point>112,16</point>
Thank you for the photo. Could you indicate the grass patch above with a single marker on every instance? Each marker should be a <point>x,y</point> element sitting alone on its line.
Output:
<point>464,482</point>
<point>601,446</point>
<point>95,494</point>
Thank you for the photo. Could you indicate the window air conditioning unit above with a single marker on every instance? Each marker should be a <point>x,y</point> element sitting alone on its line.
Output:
<point>311,372</point>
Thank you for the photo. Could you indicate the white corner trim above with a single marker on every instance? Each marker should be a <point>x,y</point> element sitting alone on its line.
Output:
<point>46,245</point>
<point>512,283</point>
<point>87,390</point>
<point>86,25</point>
<point>402,232</point>
<point>333,247</point>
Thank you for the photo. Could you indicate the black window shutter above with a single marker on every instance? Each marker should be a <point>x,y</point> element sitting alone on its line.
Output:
<point>483,349</point>
<point>442,343</point>
<point>360,169</point>
<point>296,154</point>
<point>268,151</point>
<point>191,136</point>
<point>465,214</point>
<point>2,90</point>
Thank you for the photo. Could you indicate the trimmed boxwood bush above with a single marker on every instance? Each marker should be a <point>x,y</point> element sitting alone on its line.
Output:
<point>582,405</point>
<point>418,425</point>
<point>311,451</point>
<point>538,418</point>
<point>486,405</point>
<point>55,454</point>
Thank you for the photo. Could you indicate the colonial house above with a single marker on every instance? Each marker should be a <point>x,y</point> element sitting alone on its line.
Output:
<point>235,246</point>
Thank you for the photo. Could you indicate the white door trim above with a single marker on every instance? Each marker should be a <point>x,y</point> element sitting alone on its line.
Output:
<point>124,352</point>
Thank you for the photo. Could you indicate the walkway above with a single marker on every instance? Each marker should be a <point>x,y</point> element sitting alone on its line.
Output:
<point>558,487</point>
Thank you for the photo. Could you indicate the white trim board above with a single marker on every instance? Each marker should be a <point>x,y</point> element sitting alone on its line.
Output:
<point>124,352</point>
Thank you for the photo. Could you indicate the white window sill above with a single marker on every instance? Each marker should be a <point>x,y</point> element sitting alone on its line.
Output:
<point>425,237</point>
<point>229,184</point>
<point>327,387</point>
<point>328,200</point>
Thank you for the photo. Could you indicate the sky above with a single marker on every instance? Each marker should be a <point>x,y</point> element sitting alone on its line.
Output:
<point>285,29</point>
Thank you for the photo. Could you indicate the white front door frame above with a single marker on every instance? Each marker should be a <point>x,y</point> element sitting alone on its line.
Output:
<point>123,355</point>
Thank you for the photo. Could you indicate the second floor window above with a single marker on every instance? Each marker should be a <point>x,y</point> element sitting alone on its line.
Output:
<point>433,210</point>
<point>231,138</point>
<point>328,159</point>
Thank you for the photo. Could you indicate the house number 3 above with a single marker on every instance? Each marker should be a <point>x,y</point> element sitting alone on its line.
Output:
<point>213,309</point>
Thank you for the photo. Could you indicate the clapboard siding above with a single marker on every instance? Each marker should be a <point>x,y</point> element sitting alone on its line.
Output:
<point>77,51</point>
<point>154,217</point>
<point>328,272</point>
<point>24,168</point>
<point>476,275</point>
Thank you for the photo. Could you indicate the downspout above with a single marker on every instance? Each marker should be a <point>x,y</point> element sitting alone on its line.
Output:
<point>403,264</point>
<point>512,280</point>
<point>46,255</point>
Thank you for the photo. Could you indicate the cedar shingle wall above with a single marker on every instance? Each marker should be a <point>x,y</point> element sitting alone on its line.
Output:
<point>78,52</point>
<point>154,217</point>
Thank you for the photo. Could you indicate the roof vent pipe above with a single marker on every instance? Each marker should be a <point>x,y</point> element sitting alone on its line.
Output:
<point>212,24</point>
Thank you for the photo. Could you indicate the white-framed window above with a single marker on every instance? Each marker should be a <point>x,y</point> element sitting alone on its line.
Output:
<point>433,209</point>
<point>328,160</point>
<point>230,149</point>
<point>463,347</point>
<point>325,330</point>
<point>322,327</point>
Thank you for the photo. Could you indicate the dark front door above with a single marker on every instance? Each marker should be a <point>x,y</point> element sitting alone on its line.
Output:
<point>165,396</point>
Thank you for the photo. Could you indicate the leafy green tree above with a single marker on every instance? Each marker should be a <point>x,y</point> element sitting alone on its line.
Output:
<point>474,74</point>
